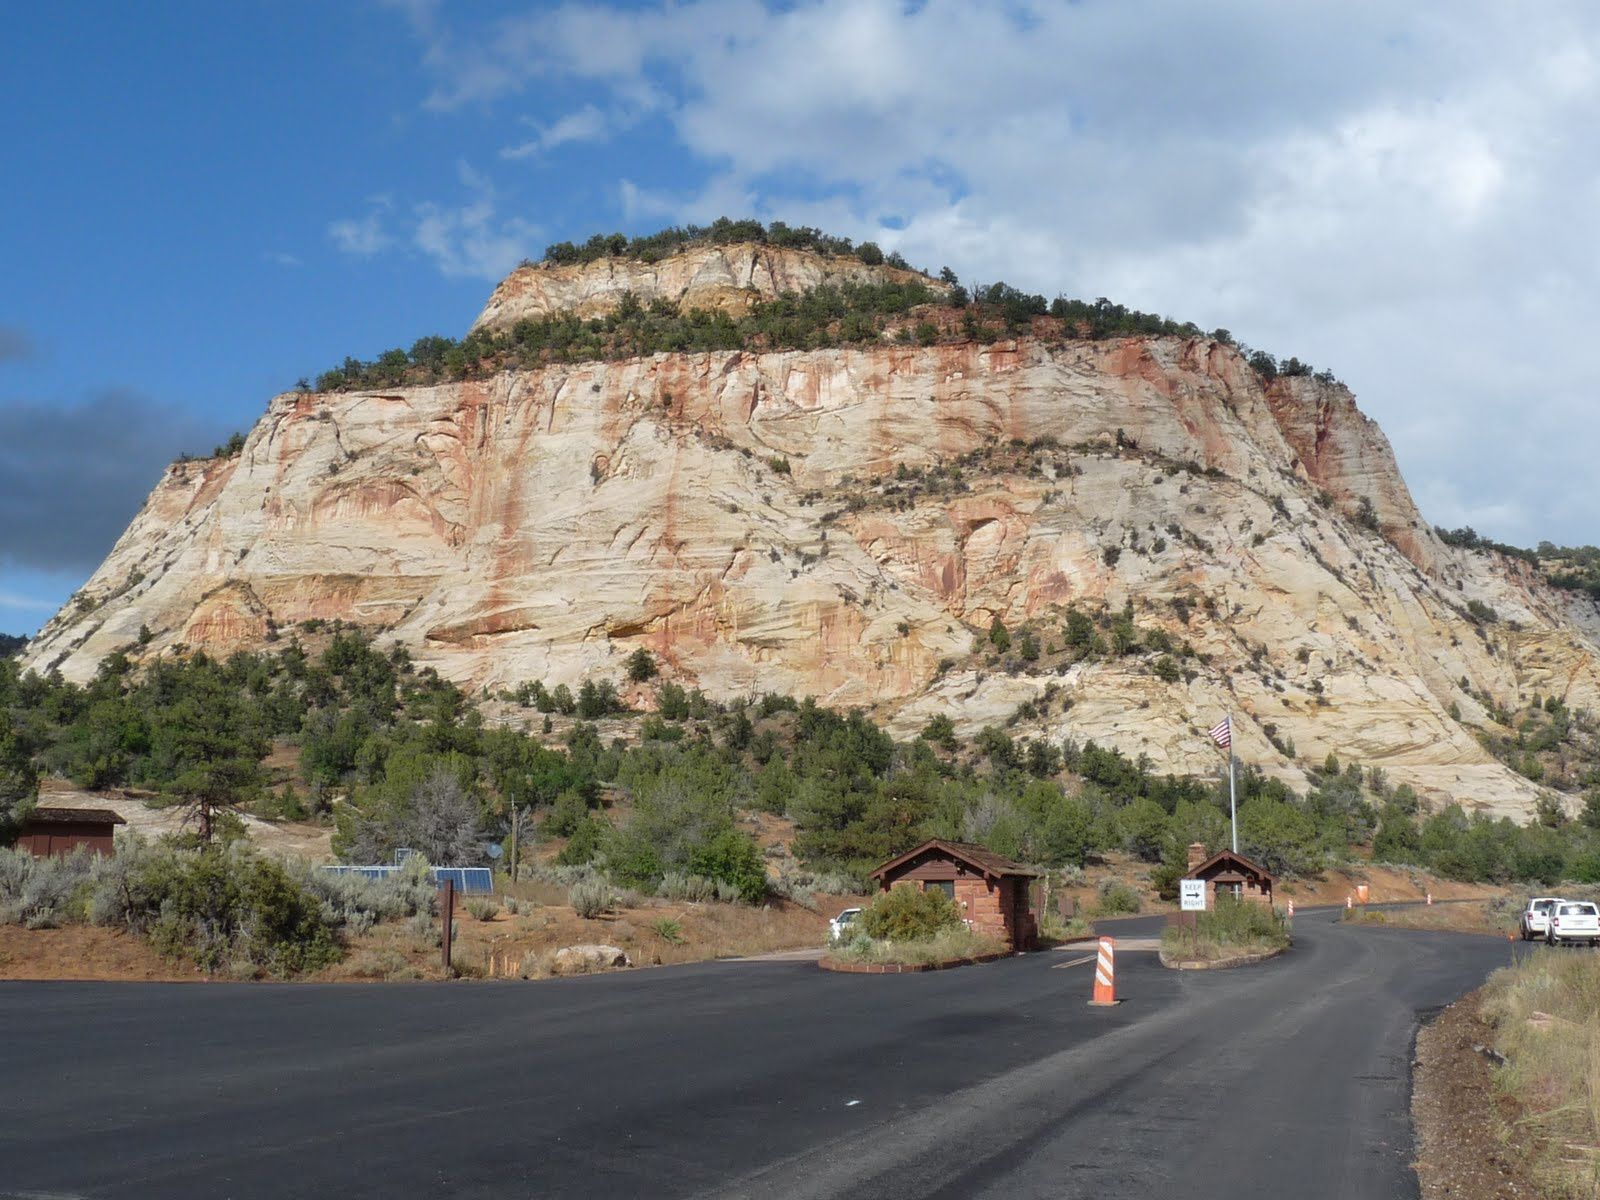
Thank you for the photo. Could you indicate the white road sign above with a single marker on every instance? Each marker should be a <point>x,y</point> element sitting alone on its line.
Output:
<point>1192,895</point>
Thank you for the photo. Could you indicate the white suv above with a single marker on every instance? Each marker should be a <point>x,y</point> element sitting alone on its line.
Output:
<point>1574,921</point>
<point>1536,917</point>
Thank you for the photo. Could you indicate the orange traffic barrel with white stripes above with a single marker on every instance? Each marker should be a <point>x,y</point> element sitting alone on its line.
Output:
<point>1105,973</point>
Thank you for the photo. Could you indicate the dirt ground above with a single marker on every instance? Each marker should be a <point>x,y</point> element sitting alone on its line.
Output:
<point>284,839</point>
<point>522,945</point>
<point>84,952</point>
<point>1462,1153</point>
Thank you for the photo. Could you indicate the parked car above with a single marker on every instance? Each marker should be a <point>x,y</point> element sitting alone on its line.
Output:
<point>1574,921</point>
<point>1536,917</point>
<point>840,927</point>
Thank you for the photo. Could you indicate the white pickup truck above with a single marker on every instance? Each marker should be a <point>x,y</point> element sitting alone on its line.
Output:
<point>1574,921</point>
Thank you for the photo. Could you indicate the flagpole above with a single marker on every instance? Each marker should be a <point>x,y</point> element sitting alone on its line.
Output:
<point>1233,809</point>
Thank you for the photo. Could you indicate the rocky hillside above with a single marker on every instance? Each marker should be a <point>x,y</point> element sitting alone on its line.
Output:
<point>852,523</point>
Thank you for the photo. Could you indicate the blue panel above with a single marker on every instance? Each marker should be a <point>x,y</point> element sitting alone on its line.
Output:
<point>477,880</point>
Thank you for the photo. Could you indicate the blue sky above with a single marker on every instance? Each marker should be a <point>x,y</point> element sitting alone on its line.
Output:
<point>206,202</point>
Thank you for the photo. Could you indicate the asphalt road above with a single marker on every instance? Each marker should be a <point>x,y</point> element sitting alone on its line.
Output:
<point>765,1079</point>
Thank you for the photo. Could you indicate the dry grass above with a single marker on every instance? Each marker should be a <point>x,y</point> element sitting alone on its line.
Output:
<point>1497,917</point>
<point>1546,1015</point>
<point>947,945</point>
<point>1230,930</point>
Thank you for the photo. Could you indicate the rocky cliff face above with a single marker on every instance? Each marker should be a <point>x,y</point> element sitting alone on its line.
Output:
<point>728,278</point>
<point>847,524</point>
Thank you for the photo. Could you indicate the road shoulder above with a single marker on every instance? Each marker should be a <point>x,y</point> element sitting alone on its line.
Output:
<point>1462,1150</point>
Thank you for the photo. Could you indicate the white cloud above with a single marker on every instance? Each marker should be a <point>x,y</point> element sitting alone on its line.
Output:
<point>587,124</point>
<point>282,259</point>
<point>361,236</point>
<point>1403,193</point>
<point>471,240</point>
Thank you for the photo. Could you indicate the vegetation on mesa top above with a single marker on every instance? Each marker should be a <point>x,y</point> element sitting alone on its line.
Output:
<point>721,232</point>
<point>849,314</point>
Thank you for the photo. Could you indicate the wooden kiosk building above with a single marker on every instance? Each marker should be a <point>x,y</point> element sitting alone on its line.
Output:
<point>1229,874</point>
<point>55,832</point>
<point>992,892</point>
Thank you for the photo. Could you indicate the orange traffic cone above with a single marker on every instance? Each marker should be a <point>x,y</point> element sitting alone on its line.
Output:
<point>1430,897</point>
<point>1291,910</point>
<point>1348,903</point>
<point>1105,974</point>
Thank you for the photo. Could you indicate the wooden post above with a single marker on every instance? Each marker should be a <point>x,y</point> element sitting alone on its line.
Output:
<point>516,814</point>
<point>449,907</point>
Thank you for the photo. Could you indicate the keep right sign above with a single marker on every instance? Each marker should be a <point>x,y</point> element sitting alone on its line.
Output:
<point>1192,895</point>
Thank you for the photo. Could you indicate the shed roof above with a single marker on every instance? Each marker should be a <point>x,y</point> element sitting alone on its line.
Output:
<point>96,816</point>
<point>1225,858</point>
<point>986,862</point>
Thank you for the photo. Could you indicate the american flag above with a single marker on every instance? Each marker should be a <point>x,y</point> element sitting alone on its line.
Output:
<point>1222,733</point>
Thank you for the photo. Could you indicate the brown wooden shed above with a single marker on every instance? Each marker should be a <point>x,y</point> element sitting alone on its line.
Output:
<point>1227,873</point>
<point>991,891</point>
<point>59,831</point>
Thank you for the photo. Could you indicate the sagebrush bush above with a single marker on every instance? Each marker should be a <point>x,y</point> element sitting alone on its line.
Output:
<point>678,885</point>
<point>1117,897</point>
<point>481,909</point>
<point>908,914</point>
<point>563,875</point>
<point>589,897</point>
<point>425,929</point>
<point>356,900</point>
<point>43,892</point>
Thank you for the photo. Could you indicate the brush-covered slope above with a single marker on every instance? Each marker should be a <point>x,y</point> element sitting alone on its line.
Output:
<point>850,523</point>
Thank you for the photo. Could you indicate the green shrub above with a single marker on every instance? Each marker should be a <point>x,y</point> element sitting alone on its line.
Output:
<point>950,944</point>
<point>1230,927</point>
<point>733,858</point>
<point>908,914</point>
<point>226,906</point>
<point>641,665</point>
<point>668,930</point>
<point>1117,897</point>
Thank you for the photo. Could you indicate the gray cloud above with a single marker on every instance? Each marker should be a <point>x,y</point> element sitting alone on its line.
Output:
<point>16,345</point>
<point>73,476</point>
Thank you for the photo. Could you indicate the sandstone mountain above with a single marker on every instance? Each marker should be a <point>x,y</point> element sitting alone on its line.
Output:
<point>849,523</point>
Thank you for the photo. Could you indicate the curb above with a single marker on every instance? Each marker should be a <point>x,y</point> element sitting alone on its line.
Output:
<point>855,968</point>
<point>1244,960</point>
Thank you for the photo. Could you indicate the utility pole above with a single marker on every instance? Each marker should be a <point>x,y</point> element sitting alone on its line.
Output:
<point>449,907</point>
<point>516,820</point>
